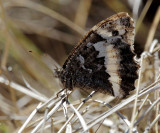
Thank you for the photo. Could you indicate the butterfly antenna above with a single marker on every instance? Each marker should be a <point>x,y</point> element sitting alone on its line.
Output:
<point>51,63</point>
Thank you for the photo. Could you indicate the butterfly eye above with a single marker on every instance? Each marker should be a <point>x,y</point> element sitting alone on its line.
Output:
<point>126,22</point>
<point>110,23</point>
<point>115,33</point>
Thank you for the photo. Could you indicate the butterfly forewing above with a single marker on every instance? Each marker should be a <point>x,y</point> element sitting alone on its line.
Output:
<point>103,59</point>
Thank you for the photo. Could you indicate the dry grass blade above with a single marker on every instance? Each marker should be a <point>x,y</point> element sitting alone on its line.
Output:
<point>32,89</point>
<point>57,106</point>
<point>43,9</point>
<point>36,36</point>
<point>68,128</point>
<point>116,6</point>
<point>156,71</point>
<point>142,15</point>
<point>136,8</point>
<point>28,119</point>
<point>122,104</point>
<point>141,106</point>
<point>147,111</point>
<point>137,91</point>
<point>82,103</point>
<point>153,29</point>
<point>6,50</point>
<point>83,123</point>
<point>118,113</point>
<point>147,130</point>
<point>83,8</point>
<point>21,89</point>
<point>30,27</point>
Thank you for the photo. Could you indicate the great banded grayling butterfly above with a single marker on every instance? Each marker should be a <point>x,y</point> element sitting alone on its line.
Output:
<point>103,60</point>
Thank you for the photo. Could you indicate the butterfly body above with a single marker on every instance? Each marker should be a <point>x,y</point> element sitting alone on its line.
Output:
<point>104,59</point>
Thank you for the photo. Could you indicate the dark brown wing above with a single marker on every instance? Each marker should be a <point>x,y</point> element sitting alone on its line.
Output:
<point>103,59</point>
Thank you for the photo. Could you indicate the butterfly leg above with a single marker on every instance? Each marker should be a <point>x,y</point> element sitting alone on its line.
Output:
<point>60,92</point>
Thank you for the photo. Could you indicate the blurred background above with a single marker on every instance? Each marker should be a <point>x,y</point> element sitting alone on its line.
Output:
<point>35,31</point>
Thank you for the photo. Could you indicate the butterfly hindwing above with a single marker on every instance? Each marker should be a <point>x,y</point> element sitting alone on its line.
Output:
<point>103,59</point>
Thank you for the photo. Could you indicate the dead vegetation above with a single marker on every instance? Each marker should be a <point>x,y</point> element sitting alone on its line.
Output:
<point>36,34</point>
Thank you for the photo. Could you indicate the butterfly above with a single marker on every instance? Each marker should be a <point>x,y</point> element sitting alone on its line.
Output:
<point>103,60</point>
